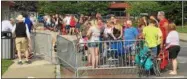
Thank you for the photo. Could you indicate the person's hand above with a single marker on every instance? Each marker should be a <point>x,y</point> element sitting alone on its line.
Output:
<point>152,17</point>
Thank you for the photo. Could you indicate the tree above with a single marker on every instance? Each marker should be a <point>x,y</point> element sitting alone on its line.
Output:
<point>25,6</point>
<point>173,10</point>
<point>73,7</point>
<point>142,7</point>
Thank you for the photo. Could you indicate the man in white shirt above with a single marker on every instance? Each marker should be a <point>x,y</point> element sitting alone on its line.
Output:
<point>67,22</point>
<point>7,26</point>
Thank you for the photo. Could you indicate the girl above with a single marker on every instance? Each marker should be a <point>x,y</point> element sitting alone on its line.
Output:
<point>93,36</point>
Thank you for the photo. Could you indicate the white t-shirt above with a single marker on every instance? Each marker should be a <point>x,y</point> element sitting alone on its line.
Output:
<point>107,31</point>
<point>67,20</point>
<point>6,26</point>
<point>95,33</point>
<point>172,39</point>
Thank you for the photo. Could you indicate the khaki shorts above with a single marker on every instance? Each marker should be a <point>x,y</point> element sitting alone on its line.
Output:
<point>21,44</point>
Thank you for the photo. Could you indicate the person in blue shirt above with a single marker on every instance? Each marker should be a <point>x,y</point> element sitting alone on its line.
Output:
<point>130,34</point>
<point>28,22</point>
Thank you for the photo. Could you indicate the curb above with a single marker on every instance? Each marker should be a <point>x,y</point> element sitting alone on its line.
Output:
<point>183,40</point>
<point>58,74</point>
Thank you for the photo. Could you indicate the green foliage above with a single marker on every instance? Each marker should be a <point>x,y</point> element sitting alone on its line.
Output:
<point>64,7</point>
<point>5,65</point>
<point>173,10</point>
<point>142,7</point>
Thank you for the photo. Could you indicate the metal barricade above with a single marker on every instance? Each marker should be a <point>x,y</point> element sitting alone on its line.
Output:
<point>66,53</point>
<point>116,57</point>
<point>42,45</point>
<point>7,45</point>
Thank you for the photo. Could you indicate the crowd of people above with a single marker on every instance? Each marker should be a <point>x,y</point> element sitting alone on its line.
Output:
<point>158,33</point>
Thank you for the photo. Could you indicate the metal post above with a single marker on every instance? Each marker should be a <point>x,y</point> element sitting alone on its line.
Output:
<point>182,14</point>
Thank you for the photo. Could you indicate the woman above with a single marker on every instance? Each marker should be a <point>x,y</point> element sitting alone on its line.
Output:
<point>159,42</point>
<point>73,22</point>
<point>141,25</point>
<point>172,44</point>
<point>93,36</point>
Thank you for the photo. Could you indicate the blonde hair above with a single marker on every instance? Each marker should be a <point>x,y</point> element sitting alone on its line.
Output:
<point>172,26</point>
<point>93,22</point>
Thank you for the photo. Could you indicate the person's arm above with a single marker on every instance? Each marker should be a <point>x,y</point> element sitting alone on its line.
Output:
<point>160,37</point>
<point>121,33</point>
<point>27,32</point>
<point>112,34</point>
<point>13,30</point>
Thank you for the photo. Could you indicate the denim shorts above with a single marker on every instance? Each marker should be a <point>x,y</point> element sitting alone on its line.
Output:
<point>67,27</point>
<point>93,44</point>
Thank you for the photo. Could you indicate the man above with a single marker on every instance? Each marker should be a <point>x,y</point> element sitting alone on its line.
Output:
<point>67,22</point>
<point>163,25</point>
<point>7,26</point>
<point>130,35</point>
<point>33,20</point>
<point>28,22</point>
<point>21,31</point>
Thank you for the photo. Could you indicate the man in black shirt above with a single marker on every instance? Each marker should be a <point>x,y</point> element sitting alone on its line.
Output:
<point>22,38</point>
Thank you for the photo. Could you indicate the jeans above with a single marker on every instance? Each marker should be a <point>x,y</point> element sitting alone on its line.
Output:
<point>154,50</point>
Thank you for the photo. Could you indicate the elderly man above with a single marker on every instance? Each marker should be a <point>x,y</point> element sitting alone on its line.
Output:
<point>7,26</point>
<point>21,31</point>
<point>163,25</point>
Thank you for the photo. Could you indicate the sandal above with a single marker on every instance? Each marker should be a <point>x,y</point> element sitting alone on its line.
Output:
<point>172,73</point>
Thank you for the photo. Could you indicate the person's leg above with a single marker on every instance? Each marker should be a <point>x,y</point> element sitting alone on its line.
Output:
<point>174,64</point>
<point>96,50</point>
<point>93,56</point>
<point>18,48</point>
<point>73,30</point>
<point>174,50</point>
<point>25,48</point>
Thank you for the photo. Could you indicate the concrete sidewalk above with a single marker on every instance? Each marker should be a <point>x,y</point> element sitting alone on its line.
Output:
<point>39,68</point>
<point>183,37</point>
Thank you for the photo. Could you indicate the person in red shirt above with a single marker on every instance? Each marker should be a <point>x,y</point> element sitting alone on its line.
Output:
<point>163,25</point>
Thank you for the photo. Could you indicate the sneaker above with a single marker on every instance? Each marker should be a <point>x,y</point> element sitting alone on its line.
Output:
<point>20,62</point>
<point>28,62</point>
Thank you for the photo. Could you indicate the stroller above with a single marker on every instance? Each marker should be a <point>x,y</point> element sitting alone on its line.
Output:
<point>146,62</point>
<point>163,59</point>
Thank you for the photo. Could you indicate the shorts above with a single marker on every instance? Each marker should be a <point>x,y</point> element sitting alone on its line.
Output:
<point>173,52</point>
<point>93,44</point>
<point>130,49</point>
<point>21,44</point>
<point>67,27</point>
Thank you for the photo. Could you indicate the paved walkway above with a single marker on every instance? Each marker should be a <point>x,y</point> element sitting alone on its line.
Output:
<point>39,68</point>
<point>183,37</point>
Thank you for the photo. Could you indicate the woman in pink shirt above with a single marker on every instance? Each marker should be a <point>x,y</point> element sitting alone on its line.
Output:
<point>172,44</point>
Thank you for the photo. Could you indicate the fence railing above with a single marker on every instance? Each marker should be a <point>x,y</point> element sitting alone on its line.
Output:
<point>113,55</point>
<point>42,45</point>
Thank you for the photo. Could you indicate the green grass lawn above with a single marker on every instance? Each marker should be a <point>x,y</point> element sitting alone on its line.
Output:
<point>5,64</point>
<point>182,30</point>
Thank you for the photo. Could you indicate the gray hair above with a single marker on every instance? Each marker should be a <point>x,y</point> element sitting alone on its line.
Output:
<point>161,13</point>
